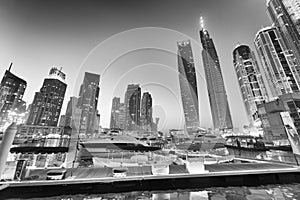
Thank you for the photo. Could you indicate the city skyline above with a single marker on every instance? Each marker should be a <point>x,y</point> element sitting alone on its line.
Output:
<point>140,99</point>
<point>73,50</point>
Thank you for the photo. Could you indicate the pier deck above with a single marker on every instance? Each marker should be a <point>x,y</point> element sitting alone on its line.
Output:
<point>100,180</point>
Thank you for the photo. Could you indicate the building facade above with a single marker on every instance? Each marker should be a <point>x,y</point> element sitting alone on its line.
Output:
<point>281,19</point>
<point>250,81</point>
<point>117,118</point>
<point>278,62</point>
<point>188,85</point>
<point>274,113</point>
<point>47,103</point>
<point>114,112</point>
<point>12,89</point>
<point>132,103</point>
<point>215,84</point>
<point>73,113</point>
<point>293,9</point>
<point>88,102</point>
<point>146,112</point>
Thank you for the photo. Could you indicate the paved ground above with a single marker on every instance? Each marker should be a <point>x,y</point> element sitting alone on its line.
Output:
<point>79,173</point>
<point>246,166</point>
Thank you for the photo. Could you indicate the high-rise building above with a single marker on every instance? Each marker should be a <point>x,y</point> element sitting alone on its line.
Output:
<point>62,121</point>
<point>273,114</point>
<point>132,104</point>
<point>114,112</point>
<point>250,81</point>
<point>146,111</point>
<point>117,113</point>
<point>154,125</point>
<point>88,102</point>
<point>12,89</point>
<point>48,101</point>
<point>278,62</point>
<point>215,85</point>
<point>281,19</point>
<point>293,9</point>
<point>117,118</point>
<point>188,85</point>
<point>73,113</point>
<point>122,116</point>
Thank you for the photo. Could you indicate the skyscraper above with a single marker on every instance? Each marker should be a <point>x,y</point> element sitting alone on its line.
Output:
<point>114,112</point>
<point>278,62</point>
<point>146,111</point>
<point>132,104</point>
<point>293,9</point>
<point>281,19</point>
<point>188,85</point>
<point>250,81</point>
<point>215,85</point>
<point>48,101</point>
<point>12,89</point>
<point>88,102</point>
<point>73,113</point>
<point>117,118</point>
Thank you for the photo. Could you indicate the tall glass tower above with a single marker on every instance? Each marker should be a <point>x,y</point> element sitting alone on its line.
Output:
<point>12,89</point>
<point>293,9</point>
<point>88,102</point>
<point>215,85</point>
<point>133,107</point>
<point>146,111</point>
<point>278,62</point>
<point>48,101</point>
<point>281,19</point>
<point>188,85</point>
<point>114,112</point>
<point>250,81</point>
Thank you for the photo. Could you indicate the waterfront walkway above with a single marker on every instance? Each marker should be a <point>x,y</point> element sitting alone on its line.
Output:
<point>92,173</point>
<point>101,180</point>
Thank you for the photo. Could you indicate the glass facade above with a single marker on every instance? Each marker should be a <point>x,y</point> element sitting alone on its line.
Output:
<point>215,84</point>
<point>146,111</point>
<point>293,9</point>
<point>280,16</point>
<point>188,85</point>
<point>12,89</point>
<point>133,109</point>
<point>47,103</point>
<point>250,80</point>
<point>88,102</point>
<point>278,63</point>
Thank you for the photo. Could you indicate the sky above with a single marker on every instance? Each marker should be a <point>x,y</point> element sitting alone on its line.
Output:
<point>127,42</point>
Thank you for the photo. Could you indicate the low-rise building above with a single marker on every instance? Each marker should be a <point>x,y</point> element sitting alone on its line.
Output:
<point>273,116</point>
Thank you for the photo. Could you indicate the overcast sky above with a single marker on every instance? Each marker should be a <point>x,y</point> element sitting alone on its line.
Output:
<point>126,42</point>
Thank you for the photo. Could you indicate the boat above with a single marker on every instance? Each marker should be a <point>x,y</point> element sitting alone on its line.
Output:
<point>246,142</point>
<point>208,159</point>
<point>202,142</point>
<point>133,160</point>
<point>119,172</point>
<point>283,145</point>
<point>119,142</point>
<point>160,169</point>
<point>122,151</point>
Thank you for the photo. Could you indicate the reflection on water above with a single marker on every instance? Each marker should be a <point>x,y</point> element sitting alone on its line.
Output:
<point>270,192</point>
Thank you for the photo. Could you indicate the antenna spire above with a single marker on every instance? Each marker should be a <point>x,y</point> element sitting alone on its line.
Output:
<point>201,22</point>
<point>10,66</point>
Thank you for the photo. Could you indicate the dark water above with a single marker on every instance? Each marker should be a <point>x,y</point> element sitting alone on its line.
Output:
<point>270,192</point>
